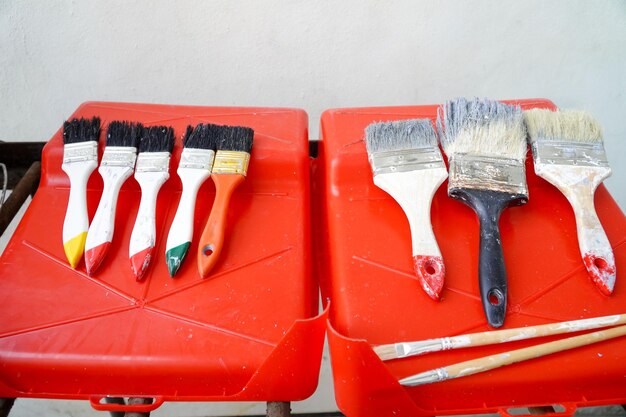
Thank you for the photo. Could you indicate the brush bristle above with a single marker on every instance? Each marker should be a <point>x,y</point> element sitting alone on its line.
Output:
<point>562,125</point>
<point>124,134</point>
<point>235,138</point>
<point>81,130</point>
<point>400,135</point>
<point>386,352</point>
<point>156,139</point>
<point>482,128</point>
<point>202,136</point>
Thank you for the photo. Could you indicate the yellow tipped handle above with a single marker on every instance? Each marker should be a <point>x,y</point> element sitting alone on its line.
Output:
<point>212,238</point>
<point>74,249</point>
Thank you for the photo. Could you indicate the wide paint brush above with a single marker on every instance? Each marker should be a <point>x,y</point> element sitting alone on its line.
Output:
<point>229,170</point>
<point>196,162</point>
<point>407,163</point>
<point>485,142</point>
<point>80,159</point>
<point>118,162</point>
<point>152,170</point>
<point>568,152</point>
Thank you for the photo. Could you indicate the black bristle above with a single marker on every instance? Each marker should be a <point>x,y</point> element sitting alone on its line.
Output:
<point>203,136</point>
<point>235,138</point>
<point>156,139</point>
<point>81,130</point>
<point>124,134</point>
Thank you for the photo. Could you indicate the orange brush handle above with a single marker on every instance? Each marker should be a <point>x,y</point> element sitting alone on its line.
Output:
<point>212,239</point>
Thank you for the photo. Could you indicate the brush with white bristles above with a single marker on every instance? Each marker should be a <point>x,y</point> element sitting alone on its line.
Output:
<point>485,142</point>
<point>569,153</point>
<point>407,164</point>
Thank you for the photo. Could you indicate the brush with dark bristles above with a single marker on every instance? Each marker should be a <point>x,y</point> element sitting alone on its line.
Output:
<point>229,170</point>
<point>569,153</point>
<point>485,142</point>
<point>153,166</point>
<point>80,158</point>
<point>118,162</point>
<point>196,162</point>
<point>407,163</point>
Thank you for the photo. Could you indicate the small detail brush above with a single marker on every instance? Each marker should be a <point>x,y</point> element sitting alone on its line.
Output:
<point>488,363</point>
<point>80,158</point>
<point>229,170</point>
<point>151,172</point>
<point>407,163</point>
<point>568,152</point>
<point>406,349</point>
<point>196,162</point>
<point>118,162</point>
<point>485,142</point>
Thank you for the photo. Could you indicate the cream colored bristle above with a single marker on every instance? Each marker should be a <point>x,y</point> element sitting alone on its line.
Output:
<point>562,125</point>
<point>386,352</point>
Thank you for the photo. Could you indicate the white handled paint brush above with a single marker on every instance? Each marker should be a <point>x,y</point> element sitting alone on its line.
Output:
<point>80,158</point>
<point>118,162</point>
<point>151,172</point>
<point>485,142</point>
<point>196,162</point>
<point>407,349</point>
<point>407,163</point>
<point>568,152</point>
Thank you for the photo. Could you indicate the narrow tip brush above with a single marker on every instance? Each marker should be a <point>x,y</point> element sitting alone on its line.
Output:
<point>569,153</point>
<point>151,172</point>
<point>407,163</point>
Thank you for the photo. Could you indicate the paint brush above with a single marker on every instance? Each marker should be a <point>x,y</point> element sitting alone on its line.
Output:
<point>488,363</point>
<point>80,158</point>
<point>407,163</point>
<point>229,170</point>
<point>151,172</point>
<point>568,152</point>
<point>196,162</point>
<point>407,349</point>
<point>118,162</point>
<point>485,142</point>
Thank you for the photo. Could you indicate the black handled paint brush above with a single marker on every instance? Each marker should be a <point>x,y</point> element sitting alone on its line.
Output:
<point>485,142</point>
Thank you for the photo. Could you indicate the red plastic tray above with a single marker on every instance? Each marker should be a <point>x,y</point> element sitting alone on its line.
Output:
<point>366,273</point>
<point>248,332</point>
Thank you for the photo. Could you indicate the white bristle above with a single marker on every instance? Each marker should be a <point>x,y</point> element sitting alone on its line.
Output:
<point>400,135</point>
<point>483,128</point>
<point>562,125</point>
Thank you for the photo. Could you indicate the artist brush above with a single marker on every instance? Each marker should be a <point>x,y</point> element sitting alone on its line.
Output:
<point>152,170</point>
<point>568,152</point>
<point>229,170</point>
<point>406,349</point>
<point>485,142</point>
<point>407,163</point>
<point>196,162</point>
<point>118,162</point>
<point>80,158</point>
<point>488,363</point>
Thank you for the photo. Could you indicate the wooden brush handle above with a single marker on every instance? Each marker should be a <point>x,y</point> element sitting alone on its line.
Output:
<point>212,238</point>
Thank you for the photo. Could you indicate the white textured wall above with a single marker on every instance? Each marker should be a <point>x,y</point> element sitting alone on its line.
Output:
<point>314,55</point>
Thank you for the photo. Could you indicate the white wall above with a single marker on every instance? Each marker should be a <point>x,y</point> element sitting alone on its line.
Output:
<point>314,55</point>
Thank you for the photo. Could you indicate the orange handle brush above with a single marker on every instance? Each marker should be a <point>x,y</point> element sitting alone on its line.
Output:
<point>212,239</point>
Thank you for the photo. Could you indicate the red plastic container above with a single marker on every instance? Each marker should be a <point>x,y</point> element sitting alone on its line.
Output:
<point>366,272</point>
<point>248,332</point>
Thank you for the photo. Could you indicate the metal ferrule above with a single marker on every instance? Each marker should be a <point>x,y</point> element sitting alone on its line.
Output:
<point>80,151</point>
<point>546,151</point>
<point>487,173</point>
<point>119,156</point>
<point>405,160</point>
<point>231,162</point>
<point>197,158</point>
<point>428,377</point>
<point>153,162</point>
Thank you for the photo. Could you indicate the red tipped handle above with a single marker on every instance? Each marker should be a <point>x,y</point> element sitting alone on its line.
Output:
<point>212,238</point>
<point>431,272</point>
